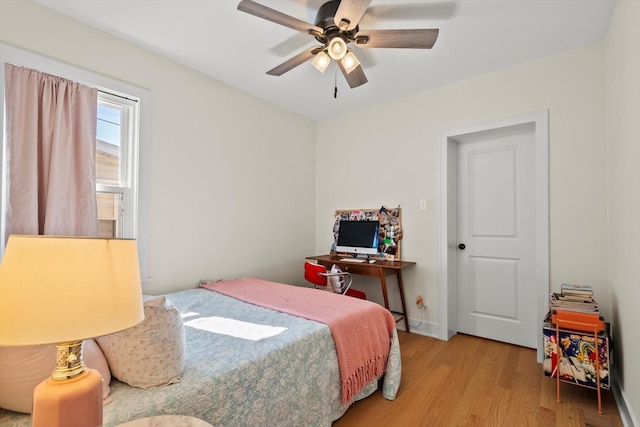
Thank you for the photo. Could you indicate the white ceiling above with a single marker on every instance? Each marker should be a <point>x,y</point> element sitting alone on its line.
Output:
<point>476,37</point>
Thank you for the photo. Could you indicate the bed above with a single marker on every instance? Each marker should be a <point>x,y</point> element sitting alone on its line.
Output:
<point>288,375</point>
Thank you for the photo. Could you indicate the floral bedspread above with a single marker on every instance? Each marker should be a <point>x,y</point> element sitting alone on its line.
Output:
<point>287,377</point>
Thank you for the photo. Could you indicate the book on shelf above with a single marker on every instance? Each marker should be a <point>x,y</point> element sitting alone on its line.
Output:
<point>585,305</point>
<point>572,298</point>
<point>570,289</point>
<point>575,298</point>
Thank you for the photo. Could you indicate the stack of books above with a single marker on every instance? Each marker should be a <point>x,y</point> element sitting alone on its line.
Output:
<point>577,298</point>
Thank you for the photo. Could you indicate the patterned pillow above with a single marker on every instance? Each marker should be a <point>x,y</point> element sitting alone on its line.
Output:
<point>151,353</point>
<point>337,282</point>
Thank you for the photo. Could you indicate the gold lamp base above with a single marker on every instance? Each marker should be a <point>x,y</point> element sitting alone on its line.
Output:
<point>72,396</point>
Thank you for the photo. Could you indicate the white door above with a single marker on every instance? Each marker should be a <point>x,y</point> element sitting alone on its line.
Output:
<point>496,238</point>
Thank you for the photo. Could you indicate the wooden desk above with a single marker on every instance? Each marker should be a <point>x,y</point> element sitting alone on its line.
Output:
<point>380,269</point>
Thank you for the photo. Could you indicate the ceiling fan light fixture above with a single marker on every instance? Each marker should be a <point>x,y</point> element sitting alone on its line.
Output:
<point>321,61</point>
<point>337,48</point>
<point>350,62</point>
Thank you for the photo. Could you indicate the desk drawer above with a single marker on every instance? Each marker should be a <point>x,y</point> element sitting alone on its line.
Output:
<point>365,270</point>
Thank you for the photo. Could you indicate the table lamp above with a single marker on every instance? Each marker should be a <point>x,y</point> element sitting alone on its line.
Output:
<point>63,290</point>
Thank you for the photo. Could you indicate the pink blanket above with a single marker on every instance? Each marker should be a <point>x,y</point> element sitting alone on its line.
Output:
<point>362,330</point>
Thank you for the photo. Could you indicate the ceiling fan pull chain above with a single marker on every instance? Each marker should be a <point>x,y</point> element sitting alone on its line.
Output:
<point>335,84</point>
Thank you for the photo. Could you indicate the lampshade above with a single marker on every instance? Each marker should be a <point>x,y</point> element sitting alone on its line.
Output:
<point>350,62</point>
<point>337,48</point>
<point>321,61</point>
<point>62,289</point>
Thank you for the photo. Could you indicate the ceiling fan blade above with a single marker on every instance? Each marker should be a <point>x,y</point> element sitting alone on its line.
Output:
<point>355,78</point>
<point>349,13</point>
<point>292,63</point>
<point>412,39</point>
<point>264,12</point>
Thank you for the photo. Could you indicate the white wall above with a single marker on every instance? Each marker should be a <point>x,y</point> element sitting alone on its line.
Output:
<point>231,176</point>
<point>398,143</point>
<point>227,170</point>
<point>623,154</point>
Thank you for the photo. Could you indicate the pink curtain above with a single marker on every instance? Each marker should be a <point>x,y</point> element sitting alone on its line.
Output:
<point>51,155</point>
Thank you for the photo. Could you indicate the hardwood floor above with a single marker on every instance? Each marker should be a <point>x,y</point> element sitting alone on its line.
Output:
<point>470,381</point>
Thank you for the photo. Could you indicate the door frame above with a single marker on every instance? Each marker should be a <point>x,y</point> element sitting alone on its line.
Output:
<point>538,121</point>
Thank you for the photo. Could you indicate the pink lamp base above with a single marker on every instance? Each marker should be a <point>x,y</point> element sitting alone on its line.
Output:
<point>71,403</point>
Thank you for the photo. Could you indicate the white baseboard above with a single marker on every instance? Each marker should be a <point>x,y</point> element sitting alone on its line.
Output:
<point>427,329</point>
<point>629,419</point>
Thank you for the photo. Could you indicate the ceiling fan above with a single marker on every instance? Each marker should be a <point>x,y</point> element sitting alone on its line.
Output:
<point>336,26</point>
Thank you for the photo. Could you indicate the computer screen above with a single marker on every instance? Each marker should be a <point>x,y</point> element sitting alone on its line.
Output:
<point>358,237</point>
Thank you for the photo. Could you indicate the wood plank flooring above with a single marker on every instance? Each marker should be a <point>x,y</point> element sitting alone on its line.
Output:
<point>470,381</point>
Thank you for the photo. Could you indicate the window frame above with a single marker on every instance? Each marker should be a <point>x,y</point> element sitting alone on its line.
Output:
<point>128,161</point>
<point>138,152</point>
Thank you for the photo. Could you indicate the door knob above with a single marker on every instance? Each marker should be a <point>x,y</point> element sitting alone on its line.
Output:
<point>462,246</point>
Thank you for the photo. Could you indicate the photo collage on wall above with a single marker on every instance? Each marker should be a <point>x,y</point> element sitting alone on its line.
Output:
<point>390,232</point>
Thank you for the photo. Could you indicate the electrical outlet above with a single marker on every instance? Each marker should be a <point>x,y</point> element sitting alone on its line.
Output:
<point>421,303</point>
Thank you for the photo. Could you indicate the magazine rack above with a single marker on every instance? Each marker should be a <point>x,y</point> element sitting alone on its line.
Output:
<point>571,321</point>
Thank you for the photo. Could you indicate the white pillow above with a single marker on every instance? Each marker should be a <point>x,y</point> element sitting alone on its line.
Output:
<point>337,282</point>
<point>22,368</point>
<point>151,353</point>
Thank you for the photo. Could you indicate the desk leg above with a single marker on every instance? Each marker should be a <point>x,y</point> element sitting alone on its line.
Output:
<point>404,305</point>
<point>383,283</point>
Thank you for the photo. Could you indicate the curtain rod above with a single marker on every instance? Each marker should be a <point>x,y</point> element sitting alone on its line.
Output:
<point>119,96</point>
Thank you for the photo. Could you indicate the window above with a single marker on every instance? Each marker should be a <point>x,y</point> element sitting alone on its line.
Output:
<point>115,148</point>
<point>122,140</point>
